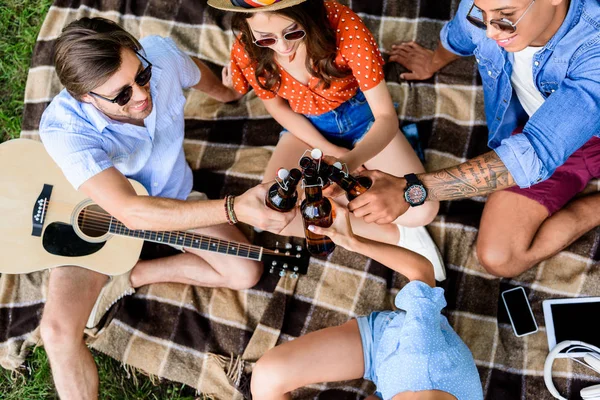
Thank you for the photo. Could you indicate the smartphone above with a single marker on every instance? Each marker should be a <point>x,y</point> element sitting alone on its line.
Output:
<point>519,311</point>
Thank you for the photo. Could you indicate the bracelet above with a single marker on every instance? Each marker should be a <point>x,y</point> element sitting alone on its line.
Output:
<point>229,213</point>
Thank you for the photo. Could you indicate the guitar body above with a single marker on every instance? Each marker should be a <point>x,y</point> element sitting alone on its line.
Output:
<point>26,168</point>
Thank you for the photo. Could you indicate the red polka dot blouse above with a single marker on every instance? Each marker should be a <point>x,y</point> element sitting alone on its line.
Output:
<point>356,51</point>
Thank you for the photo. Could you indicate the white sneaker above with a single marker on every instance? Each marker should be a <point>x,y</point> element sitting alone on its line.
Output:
<point>418,240</point>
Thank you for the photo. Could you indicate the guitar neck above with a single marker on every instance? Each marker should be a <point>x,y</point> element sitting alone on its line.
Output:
<point>189,240</point>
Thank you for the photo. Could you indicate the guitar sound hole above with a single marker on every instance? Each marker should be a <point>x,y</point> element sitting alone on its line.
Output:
<point>93,221</point>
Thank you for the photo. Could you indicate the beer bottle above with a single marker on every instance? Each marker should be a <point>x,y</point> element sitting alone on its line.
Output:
<point>354,186</point>
<point>316,210</point>
<point>318,164</point>
<point>282,196</point>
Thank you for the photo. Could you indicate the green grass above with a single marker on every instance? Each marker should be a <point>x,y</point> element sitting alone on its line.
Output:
<point>20,22</point>
<point>115,383</point>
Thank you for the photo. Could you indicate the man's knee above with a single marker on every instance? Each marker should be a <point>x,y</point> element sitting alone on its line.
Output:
<point>497,261</point>
<point>59,332</point>
<point>248,275</point>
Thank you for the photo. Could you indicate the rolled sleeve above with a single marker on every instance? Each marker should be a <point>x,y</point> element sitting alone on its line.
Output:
<point>455,36</point>
<point>521,160</point>
<point>79,156</point>
<point>563,123</point>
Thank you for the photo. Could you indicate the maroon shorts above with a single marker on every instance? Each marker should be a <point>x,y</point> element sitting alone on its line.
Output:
<point>568,179</point>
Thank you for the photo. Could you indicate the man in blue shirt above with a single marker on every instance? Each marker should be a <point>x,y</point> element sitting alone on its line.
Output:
<point>539,61</point>
<point>121,116</point>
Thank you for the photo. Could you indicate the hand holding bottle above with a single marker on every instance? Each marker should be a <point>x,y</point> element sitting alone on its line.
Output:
<point>383,202</point>
<point>340,231</point>
<point>250,208</point>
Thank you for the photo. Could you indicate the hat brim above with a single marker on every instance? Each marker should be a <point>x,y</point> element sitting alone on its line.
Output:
<point>227,6</point>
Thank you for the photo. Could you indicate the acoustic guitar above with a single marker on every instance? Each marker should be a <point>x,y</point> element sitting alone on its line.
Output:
<point>45,223</point>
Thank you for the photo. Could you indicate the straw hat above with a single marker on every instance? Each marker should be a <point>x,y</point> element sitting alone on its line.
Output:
<point>253,5</point>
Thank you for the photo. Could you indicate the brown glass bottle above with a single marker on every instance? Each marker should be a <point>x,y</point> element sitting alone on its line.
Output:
<point>354,186</point>
<point>284,198</point>
<point>322,168</point>
<point>316,210</point>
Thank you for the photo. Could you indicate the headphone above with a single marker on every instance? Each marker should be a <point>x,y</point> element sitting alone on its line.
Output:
<point>591,360</point>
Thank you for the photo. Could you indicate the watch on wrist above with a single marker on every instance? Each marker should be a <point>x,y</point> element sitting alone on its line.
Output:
<point>414,193</point>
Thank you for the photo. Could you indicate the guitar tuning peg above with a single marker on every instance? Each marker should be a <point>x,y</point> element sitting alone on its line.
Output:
<point>298,248</point>
<point>273,263</point>
<point>284,266</point>
<point>282,273</point>
<point>277,244</point>
<point>288,246</point>
<point>295,269</point>
<point>293,275</point>
<point>271,270</point>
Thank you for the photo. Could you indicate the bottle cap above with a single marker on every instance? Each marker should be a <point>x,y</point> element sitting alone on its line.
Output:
<point>295,174</point>
<point>310,172</point>
<point>283,173</point>
<point>316,154</point>
<point>306,162</point>
<point>338,165</point>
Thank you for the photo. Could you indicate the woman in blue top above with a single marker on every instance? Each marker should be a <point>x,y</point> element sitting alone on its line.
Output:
<point>411,353</point>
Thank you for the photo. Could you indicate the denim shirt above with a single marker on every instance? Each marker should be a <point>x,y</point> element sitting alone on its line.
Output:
<point>566,71</point>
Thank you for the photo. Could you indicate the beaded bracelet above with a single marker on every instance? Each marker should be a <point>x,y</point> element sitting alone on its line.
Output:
<point>229,213</point>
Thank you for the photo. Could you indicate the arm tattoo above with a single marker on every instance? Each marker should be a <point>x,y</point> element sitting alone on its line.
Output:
<point>479,176</point>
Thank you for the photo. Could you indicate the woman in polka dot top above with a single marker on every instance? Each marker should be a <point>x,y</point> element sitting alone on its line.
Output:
<point>318,71</point>
<point>411,353</point>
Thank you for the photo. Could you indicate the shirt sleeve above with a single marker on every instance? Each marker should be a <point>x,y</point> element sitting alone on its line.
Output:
<point>563,123</point>
<point>172,58</point>
<point>456,34</point>
<point>359,48</point>
<point>78,155</point>
<point>243,73</point>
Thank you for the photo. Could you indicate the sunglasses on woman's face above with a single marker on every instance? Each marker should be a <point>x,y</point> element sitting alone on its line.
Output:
<point>501,24</point>
<point>290,37</point>
<point>141,79</point>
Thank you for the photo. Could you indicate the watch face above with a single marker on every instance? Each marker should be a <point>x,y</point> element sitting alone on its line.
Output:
<point>415,195</point>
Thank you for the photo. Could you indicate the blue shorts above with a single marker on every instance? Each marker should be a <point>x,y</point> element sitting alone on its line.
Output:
<point>347,124</point>
<point>371,328</point>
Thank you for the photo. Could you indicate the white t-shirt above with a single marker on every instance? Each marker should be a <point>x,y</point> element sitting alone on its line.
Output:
<point>522,80</point>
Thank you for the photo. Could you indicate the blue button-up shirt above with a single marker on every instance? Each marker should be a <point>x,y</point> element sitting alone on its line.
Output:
<point>83,141</point>
<point>566,71</point>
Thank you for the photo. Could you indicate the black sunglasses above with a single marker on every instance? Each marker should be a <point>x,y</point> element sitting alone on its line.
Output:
<point>290,37</point>
<point>501,24</point>
<point>141,79</point>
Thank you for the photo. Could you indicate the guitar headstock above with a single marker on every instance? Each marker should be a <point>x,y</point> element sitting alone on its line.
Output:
<point>291,258</point>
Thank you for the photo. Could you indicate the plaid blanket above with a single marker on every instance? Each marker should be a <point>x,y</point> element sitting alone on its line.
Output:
<point>208,338</point>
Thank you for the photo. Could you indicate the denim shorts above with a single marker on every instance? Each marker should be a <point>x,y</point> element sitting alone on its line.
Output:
<point>371,327</point>
<point>347,124</point>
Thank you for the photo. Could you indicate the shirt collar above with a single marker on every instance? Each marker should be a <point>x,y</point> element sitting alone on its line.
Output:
<point>100,120</point>
<point>571,19</point>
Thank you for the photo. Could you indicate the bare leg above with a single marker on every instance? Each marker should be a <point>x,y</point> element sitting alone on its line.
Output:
<point>72,293</point>
<point>328,355</point>
<point>398,159</point>
<point>516,233</point>
<point>202,268</point>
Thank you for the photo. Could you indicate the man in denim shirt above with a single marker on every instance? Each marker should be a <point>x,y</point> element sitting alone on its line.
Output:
<point>539,61</point>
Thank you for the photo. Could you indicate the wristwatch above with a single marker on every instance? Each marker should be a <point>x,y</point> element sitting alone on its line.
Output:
<point>414,193</point>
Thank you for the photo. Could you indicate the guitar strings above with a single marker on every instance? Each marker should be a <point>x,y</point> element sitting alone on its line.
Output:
<point>100,222</point>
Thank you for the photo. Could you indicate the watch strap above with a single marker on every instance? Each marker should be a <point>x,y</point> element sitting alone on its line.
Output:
<point>412,179</point>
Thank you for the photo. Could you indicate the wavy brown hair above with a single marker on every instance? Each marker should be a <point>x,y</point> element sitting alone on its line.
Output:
<point>320,42</point>
<point>88,52</point>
